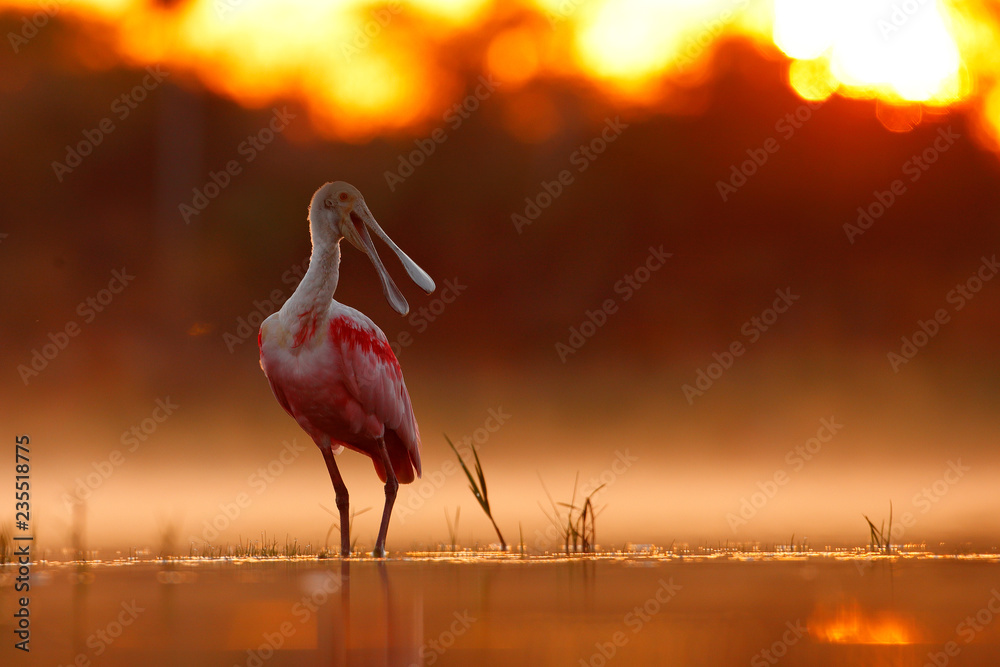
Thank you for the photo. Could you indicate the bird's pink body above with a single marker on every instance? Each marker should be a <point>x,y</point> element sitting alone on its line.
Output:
<point>336,375</point>
<point>332,369</point>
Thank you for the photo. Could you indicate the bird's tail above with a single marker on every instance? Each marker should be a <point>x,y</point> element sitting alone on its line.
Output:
<point>399,457</point>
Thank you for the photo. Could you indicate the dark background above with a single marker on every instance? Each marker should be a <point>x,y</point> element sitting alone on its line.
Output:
<point>494,347</point>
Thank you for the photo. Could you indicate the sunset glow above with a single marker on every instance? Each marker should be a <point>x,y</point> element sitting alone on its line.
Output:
<point>874,50</point>
<point>849,624</point>
<point>362,68</point>
<point>707,291</point>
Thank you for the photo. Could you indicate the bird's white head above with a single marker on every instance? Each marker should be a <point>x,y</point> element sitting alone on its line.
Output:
<point>339,211</point>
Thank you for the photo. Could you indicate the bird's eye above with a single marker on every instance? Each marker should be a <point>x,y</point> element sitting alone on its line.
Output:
<point>343,196</point>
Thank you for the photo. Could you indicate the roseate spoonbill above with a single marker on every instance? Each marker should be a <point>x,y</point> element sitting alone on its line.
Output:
<point>332,369</point>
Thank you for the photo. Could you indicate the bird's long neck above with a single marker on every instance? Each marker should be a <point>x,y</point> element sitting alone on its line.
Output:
<point>312,297</point>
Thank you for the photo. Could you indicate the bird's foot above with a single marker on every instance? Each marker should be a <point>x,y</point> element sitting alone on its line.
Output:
<point>379,551</point>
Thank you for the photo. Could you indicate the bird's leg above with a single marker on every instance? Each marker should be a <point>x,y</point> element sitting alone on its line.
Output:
<point>342,500</point>
<point>391,485</point>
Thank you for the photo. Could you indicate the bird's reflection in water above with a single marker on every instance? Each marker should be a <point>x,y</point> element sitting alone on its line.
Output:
<point>81,578</point>
<point>370,626</point>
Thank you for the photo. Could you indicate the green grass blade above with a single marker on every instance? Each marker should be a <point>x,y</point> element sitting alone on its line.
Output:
<point>478,490</point>
<point>482,479</point>
<point>472,481</point>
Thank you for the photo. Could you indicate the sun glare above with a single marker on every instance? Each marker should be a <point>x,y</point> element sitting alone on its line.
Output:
<point>634,41</point>
<point>362,68</point>
<point>849,624</point>
<point>874,48</point>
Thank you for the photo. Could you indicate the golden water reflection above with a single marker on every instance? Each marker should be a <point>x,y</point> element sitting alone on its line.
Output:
<point>817,609</point>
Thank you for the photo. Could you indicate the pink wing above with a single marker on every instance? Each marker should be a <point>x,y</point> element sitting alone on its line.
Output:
<point>372,376</point>
<point>275,389</point>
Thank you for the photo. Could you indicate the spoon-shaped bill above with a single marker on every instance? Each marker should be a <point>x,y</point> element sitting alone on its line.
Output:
<point>418,275</point>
